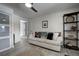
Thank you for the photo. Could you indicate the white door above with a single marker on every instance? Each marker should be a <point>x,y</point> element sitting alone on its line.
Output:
<point>4,32</point>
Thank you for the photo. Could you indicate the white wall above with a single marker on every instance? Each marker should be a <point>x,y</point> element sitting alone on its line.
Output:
<point>16,27</point>
<point>55,21</point>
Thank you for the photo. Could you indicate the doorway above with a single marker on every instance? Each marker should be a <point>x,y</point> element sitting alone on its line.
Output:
<point>23,28</point>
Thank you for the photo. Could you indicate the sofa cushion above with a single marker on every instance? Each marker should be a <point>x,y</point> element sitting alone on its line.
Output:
<point>53,42</point>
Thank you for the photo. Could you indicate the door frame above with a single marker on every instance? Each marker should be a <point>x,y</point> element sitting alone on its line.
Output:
<point>26,25</point>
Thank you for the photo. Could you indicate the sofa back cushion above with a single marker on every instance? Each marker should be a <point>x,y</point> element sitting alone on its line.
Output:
<point>50,36</point>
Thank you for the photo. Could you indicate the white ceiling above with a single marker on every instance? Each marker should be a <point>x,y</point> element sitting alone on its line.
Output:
<point>43,8</point>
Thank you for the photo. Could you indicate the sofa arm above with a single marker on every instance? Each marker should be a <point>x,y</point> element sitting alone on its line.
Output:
<point>31,36</point>
<point>60,39</point>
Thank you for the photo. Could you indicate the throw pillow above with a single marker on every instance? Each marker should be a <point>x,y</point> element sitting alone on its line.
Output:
<point>50,36</point>
<point>44,35</point>
<point>37,34</point>
<point>55,36</point>
<point>33,34</point>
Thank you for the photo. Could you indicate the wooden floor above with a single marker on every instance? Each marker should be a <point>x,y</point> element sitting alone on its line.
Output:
<point>23,48</point>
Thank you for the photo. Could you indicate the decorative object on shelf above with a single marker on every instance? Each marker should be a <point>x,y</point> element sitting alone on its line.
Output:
<point>73,28</point>
<point>70,19</point>
<point>45,24</point>
<point>68,43</point>
<point>71,36</point>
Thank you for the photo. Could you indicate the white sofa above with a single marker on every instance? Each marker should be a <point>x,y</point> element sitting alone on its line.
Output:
<point>54,44</point>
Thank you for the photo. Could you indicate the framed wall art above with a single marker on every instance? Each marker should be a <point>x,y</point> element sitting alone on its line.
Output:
<point>45,24</point>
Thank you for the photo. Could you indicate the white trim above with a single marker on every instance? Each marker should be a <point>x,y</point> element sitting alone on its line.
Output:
<point>4,37</point>
<point>5,49</point>
<point>4,24</point>
<point>23,21</point>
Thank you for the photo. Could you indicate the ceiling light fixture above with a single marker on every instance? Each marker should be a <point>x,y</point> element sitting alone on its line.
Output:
<point>29,5</point>
<point>3,27</point>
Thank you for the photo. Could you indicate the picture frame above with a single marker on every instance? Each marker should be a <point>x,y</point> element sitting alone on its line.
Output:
<point>45,24</point>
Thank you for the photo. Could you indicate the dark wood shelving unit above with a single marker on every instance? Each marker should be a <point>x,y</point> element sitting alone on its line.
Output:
<point>71,22</point>
<point>71,47</point>
<point>71,31</point>
<point>71,18</point>
<point>70,38</point>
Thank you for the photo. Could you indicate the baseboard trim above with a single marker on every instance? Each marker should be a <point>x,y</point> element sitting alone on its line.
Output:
<point>5,49</point>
